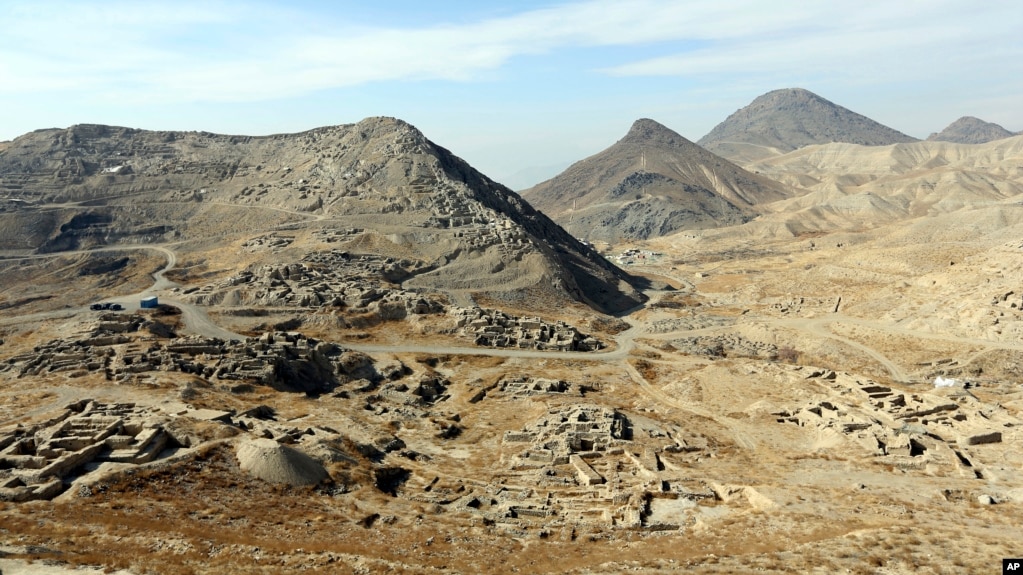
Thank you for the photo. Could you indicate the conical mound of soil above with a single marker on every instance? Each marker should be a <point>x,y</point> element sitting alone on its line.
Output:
<point>276,463</point>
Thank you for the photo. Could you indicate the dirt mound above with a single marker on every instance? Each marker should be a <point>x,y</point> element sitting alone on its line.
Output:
<point>276,463</point>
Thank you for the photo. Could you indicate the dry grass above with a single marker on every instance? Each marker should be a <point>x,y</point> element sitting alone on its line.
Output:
<point>646,369</point>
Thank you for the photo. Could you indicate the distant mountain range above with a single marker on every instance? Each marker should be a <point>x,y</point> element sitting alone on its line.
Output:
<point>861,187</point>
<point>652,182</point>
<point>91,185</point>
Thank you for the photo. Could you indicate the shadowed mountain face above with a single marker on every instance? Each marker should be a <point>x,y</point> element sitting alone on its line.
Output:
<point>381,180</point>
<point>784,120</point>
<point>650,183</point>
<point>970,130</point>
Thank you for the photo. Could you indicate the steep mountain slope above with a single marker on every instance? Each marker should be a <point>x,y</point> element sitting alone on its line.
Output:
<point>970,130</point>
<point>784,120</point>
<point>381,181</point>
<point>652,182</point>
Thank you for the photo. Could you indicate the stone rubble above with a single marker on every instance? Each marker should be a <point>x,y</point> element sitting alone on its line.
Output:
<point>494,328</point>
<point>581,466</point>
<point>362,284</point>
<point>272,242</point>
<point>725,345</point>
<point>338,279</point>
<point>531,386</point>
<point>287,361</point>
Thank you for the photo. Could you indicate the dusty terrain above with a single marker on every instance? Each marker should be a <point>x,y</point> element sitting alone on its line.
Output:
<point>771,407</point>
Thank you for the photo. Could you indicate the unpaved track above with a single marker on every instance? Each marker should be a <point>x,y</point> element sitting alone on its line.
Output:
<point>159,282</point>
<point>742,439</point>
<point>818,327</point>
<point>195,319</point>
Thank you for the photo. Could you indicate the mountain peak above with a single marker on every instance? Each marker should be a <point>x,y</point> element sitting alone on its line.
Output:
<point>646,131</point>
<point>408,197</point>
<point>792,93</point>
<point>645,127</point>
<point>971,130</point>
<point>787,119</point>
<point>652,182</point>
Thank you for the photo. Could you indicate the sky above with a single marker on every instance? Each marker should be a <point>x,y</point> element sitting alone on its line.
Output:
<point>514,88</point>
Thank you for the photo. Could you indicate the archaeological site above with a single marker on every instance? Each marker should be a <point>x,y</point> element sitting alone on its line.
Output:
<point>345,350</point>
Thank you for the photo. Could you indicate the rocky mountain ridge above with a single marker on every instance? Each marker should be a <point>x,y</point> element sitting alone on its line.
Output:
<point>90,185</point>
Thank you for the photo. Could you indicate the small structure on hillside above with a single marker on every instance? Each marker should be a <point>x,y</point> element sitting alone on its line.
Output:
<point>149,303</point>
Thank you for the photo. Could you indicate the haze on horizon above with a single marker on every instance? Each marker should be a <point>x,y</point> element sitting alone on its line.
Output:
<point>505,86</point>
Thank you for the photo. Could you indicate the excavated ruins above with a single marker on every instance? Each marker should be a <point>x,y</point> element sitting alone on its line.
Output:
<point>911,430</point>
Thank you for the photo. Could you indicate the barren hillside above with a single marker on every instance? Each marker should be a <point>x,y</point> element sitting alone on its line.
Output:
<point>90,186</point>
<point>652,182</point>
<point>784,120</point>
<point>970,130</point>
<point>864,186</point>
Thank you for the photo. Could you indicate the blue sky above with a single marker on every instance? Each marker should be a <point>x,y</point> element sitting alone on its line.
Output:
<point>506,86</point>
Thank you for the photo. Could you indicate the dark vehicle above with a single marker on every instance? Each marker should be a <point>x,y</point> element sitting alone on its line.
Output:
<point>97,307</point>
<point>115,307</point>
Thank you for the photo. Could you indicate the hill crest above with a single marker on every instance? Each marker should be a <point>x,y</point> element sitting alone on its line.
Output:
<point>651,182</point>
<point>92,185</point>
<point>788,119</point>
<point>971,130</point>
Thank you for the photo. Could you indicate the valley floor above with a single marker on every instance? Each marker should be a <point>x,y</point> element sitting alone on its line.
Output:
<point>775,411</point>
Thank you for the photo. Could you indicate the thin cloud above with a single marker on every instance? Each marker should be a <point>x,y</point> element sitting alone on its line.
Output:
<point>145,56</point>
<point>885,42</point>
<point>239,52</point>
